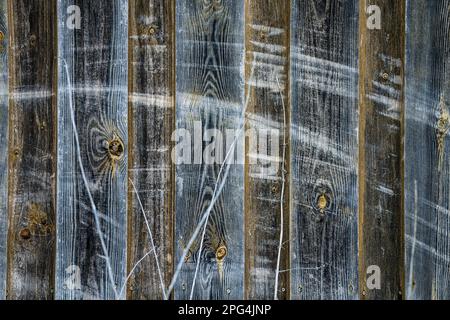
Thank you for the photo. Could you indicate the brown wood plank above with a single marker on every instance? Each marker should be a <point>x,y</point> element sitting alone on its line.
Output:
<point>267,68</point>
<point>151,122</point>
<point>31,149</point>
<point>380,149</point>
<point>4,34</point>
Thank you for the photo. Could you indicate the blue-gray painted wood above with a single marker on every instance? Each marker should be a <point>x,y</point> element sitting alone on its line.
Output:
<point>324,144</point>
<point>427,150</point>
<point>96,56</point>
<point>210,92</point>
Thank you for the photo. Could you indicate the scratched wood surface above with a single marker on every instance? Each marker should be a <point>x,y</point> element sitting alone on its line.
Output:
<point>266,179</point>
<point>210,95</point>
<point>3,143</point>
<point>351,150</point>
<point>31,205</point>
<point>92,151</point>
<point>151,87</point>
<point>380,145</point>
<point>427,160</point>
<point>324,130</point>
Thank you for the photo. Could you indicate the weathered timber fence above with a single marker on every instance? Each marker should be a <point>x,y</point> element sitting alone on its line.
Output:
<point>130,169</point>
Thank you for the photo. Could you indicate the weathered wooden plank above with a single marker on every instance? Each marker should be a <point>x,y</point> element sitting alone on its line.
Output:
<point>324,87</point>
<point>380,147</point>
<point>210,94</point>
<point>3,144</point>
<point>266,180</point>
<point>92,160</point>
<point>151,96</point>
<point>427,158</point>
<point>32,112</point>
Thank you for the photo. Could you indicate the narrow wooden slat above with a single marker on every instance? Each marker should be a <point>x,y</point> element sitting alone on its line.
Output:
<point>210,93</point>
<point>427,160</point>
<point>95,57</point>
<point>32,162</point>
<point>267,67</point>
<point>151,96</point>
<point>380,158</point>
<point>324,84</point>
<point>3,144</point>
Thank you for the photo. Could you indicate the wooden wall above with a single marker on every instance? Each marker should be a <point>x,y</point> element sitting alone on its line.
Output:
<point>105,121</point>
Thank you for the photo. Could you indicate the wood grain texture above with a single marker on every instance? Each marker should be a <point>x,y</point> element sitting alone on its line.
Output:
<point>3,144</point>
<point>380,172</point>
<point>267,68</point>
<point>96,56</point>
<point>324,144</point>
<point>210,94</point>
<point>427,160</point>
<point>31,207</point>
<point>151,113</point>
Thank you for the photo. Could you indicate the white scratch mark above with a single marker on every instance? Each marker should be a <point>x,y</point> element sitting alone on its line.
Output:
<point>283,171</point>
<point>272,31</point>
<point>151,100</point>
<point>31,95</point>
<point>385,190</point>
<point>151,239</point>
<point>413,246</point>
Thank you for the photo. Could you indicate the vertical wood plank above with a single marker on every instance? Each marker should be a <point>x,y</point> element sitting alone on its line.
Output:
<point>380,157</point>
<point>267,67</point>
<point>210,94</point>
<point>32,111</point>
<point>4,34</point>
<point>324,144</point>
<point>96,57</point>
<point>151,123</point>
<point>427,160</point>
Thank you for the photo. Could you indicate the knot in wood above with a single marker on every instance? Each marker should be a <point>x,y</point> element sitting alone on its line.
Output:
<point>442,127</point>
<point>322,202</point>
<point>25,234</point>
<point>275,188</point>
<point>115,148</point>
<point>33,40</point>
<point>221,252</point>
